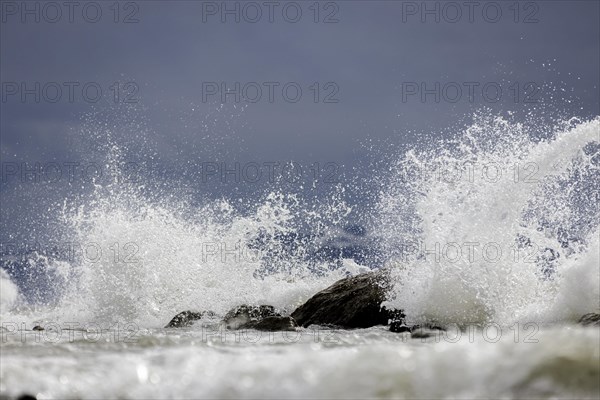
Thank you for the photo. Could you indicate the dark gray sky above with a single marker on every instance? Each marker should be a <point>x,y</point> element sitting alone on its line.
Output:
<point>367,58</point>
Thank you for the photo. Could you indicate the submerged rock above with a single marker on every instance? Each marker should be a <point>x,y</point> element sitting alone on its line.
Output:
<point>415,330</point>
<point>353,302</point>
<point>187,318</point>
<point>591,319</point>
<point>418,332</point>
<point>272,324</point>
<point>245,314</point>
<point>38,328</point>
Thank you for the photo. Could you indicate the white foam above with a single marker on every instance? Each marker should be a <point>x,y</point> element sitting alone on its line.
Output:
<point>364,364</point>
<point>159,259</point>
<point>492,214</point>
<point>8,293</point>
<point>579,291</point>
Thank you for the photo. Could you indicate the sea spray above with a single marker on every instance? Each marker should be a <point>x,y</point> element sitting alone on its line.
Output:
<point>8,293</point>
<point>499,225</point>
<point>157,258</point>
<point>155,263</point>
<point>145,248</point>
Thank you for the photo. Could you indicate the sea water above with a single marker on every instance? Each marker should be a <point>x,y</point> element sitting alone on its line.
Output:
<point>492,234</point>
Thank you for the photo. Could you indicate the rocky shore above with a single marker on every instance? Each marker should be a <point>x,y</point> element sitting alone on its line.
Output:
<point>353,302</point>
<point>350,303</point>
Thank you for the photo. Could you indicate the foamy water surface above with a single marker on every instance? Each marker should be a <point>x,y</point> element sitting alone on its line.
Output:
<point>507,261</point>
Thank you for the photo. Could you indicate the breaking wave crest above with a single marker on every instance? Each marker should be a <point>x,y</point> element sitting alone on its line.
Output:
<point>496,224</point>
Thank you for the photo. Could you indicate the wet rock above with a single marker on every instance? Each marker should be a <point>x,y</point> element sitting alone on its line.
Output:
<point>417,331</point>
<point>399,327</point>
<point>422,333</point>
<point>187,318</point>
<point>23,396</point>
<point>245,314</point>
<point>591,319</point>
<point>26,396</point>
<point>353,302</point>
<point>272,324</point>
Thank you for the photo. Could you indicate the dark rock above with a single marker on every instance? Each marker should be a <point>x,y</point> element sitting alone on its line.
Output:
<point>272,324</point>
<point>245,314</point>
<point>417,331</point>
<point>399,327</point>
<point>26,396</point>
<point>353,302</point>
<point>187,318</point>
<point>38,328</point>
<point>394,315</point>
<point>422,333</point>
<point>591,319</point>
